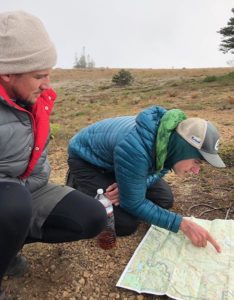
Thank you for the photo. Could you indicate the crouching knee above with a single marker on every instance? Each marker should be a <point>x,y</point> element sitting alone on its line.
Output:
<point>96,221</point>
<point>15,208</point>
<point>161,194</point>
<point>126,230</point>
<point>167,202</point>
<point>125,223</point>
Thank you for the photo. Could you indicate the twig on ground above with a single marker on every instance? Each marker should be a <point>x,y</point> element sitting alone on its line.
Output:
<point>229,209</point>
<point>208,210</point>
<point>202,204</point>
<point>212,208</point>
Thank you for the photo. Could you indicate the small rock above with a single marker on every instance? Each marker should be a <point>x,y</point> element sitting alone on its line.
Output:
<point>113,296</point>
<point>74,282</point>
<point>65,294</point>
<point>52,268</point>
<point>86,274</point>
<point>82,281</point>
<point>111,265</point>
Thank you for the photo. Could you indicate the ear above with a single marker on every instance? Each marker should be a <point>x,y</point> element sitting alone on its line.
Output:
<point>5,78</point>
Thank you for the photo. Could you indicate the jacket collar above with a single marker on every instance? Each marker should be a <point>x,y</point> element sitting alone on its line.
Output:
<point>4,94</point>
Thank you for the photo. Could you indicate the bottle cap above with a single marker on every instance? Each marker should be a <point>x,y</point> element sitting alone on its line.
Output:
<point>100,191</point>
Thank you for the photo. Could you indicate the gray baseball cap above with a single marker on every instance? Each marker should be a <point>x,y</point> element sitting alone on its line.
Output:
<point>204,136</point>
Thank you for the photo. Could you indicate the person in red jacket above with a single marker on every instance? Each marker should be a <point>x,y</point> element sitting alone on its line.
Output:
<point>31,208</point>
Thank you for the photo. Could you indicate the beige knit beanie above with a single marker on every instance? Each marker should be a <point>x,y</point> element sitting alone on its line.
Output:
<point>25,45</point>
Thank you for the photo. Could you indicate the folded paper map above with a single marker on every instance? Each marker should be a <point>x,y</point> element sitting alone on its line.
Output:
<point>167,263</point>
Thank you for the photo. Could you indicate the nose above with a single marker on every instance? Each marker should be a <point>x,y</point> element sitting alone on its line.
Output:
<point>45,84</point>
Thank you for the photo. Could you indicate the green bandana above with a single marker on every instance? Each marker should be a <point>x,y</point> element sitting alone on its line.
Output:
<point>168,123</point>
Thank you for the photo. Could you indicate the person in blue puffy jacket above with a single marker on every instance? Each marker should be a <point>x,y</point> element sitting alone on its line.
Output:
<point>127,156</point>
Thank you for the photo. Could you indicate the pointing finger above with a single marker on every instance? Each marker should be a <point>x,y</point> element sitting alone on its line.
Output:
<point>214,243</point>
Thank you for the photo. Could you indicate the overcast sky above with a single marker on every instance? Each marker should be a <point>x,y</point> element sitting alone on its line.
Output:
<point>134,33</point>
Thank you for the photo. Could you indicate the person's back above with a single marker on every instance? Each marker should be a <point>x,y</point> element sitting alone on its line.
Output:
<point>98,142</point>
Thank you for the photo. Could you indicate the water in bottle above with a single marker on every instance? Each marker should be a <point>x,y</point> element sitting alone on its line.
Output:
<point>107,238</point>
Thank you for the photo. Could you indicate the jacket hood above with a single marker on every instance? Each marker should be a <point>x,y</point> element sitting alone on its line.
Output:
<point>147,123</point>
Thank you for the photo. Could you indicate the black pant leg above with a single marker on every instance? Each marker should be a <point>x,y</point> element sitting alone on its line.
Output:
<point>125,223</point>
<point>160,193</point>
<point>15,216</point>
<point>77,216</point>
<point>87,178</point>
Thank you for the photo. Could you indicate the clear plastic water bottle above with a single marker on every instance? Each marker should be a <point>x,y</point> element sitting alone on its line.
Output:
<point>107,238</point>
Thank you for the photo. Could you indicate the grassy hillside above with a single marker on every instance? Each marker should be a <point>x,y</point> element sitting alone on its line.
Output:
<point>86,96</point>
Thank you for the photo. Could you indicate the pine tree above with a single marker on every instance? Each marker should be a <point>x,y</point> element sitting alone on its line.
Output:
<point>227,43</point>
<point>83,62</point>
<point>122,78</point>
<point>90,62</point>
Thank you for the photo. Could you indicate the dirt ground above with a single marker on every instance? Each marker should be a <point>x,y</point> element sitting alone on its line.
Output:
<point>81,270</point>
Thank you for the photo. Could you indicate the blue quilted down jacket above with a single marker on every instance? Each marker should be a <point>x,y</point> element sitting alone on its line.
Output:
<point>126,145</point>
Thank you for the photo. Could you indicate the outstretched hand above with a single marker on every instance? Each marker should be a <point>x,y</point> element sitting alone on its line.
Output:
<point>112,192</point>
<point>198,235</point>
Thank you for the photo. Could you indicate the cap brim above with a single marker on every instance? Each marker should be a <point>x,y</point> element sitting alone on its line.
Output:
<point>213,159</point>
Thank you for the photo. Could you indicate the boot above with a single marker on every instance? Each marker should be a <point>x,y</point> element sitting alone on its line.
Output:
<point>18,267</point>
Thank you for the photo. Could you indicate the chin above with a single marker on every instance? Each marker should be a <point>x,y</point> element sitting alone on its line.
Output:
<point>32,100</point>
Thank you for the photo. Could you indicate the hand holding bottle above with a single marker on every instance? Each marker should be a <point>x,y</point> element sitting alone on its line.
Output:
<point>112,192</point>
